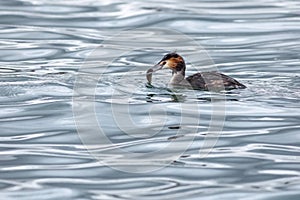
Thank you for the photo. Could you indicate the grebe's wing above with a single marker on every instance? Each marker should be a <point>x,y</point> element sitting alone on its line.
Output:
<point>213,81</point>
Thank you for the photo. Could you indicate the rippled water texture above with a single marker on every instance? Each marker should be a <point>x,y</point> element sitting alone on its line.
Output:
<point>43,45</point>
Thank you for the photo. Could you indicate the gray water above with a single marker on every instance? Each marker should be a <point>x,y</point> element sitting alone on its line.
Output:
<point>43,46</point>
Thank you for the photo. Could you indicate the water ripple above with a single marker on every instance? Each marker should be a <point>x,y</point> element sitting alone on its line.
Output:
<point>42,46</point>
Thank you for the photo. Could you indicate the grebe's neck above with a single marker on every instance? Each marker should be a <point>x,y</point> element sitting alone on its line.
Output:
<point>178,75</point>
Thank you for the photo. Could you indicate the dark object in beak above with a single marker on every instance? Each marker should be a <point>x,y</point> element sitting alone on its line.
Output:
<point>152,70</point>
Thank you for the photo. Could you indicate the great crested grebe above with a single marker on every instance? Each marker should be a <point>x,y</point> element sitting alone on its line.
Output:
<point>199,81</point>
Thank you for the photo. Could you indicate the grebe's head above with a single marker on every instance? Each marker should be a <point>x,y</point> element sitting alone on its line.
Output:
<point>171,61</point>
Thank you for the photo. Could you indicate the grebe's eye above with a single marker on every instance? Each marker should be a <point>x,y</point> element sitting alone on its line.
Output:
<point>164,63</point>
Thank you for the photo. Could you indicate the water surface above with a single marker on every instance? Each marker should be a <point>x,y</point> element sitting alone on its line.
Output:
<point>42,46</point>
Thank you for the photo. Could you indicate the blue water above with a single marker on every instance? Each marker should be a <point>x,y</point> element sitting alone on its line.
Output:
<point>46,45</point>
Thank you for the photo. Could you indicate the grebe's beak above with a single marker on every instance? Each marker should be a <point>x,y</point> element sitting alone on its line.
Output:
<point>152,70</point>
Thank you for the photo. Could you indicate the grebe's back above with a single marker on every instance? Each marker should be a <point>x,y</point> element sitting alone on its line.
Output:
<point>210,80</point>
